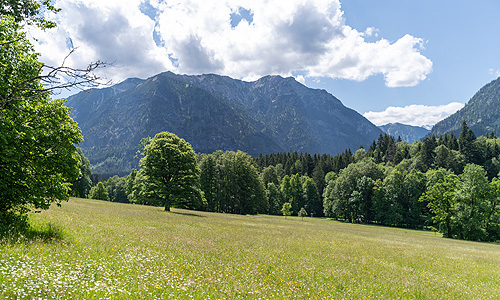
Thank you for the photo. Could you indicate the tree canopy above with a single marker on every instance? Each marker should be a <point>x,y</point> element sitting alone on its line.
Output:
<point>172,171</point>
<point>38,156</point>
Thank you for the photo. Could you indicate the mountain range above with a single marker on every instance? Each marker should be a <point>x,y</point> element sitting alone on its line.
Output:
<point>482,113</point>
<point>212,112</point>
<point>407,133</point>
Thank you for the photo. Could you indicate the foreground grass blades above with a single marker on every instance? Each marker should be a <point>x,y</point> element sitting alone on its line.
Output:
<point>118,251</point>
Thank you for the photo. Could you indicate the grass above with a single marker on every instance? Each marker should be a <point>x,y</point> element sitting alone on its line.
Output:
<point>90,249</point>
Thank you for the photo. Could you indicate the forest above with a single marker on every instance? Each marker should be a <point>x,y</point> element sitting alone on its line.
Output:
<point>446,184</point>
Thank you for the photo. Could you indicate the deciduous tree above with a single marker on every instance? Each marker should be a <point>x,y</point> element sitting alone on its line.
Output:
<point>171,171</point>
<point>302,213</point>
<point>38,157</point>
<point>99,192</point>
<point>286,209</point>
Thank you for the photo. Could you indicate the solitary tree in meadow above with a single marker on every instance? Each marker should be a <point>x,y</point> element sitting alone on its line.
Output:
<point>171,171</point>
<point>302,213</point>
<point>287,209</point>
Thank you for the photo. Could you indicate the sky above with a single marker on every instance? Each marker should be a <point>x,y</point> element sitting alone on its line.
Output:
<point>408,61</point>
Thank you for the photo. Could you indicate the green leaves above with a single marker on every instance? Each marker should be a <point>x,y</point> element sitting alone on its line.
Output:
<point>171,171</point>
<point>29,11</point>
<point>37,137</point>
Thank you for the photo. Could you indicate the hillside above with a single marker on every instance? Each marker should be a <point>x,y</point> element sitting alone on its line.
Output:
<point>96,249</point>
<point>272,114</point>
<point>482,113</point>
<point>407,133</point>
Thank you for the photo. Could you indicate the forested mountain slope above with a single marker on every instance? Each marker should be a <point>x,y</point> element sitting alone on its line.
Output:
<point>214,112</point>
<point>482,113</point>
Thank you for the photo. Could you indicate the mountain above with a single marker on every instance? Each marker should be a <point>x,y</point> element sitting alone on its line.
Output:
<point>482,113</point>
<point>212,112</point>
<point>407,133</point>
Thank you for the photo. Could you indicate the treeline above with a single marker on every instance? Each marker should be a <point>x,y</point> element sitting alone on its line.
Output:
<point>449,184</point>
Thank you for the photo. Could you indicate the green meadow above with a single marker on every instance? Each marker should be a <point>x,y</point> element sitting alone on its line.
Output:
<point>90,249</point>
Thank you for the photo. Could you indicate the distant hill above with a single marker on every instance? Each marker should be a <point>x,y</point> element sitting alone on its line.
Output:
<point>272,114</point>
<point>482,113</point>
<point>407,133</point>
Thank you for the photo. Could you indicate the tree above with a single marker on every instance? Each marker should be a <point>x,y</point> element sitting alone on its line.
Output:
<point>286,209</point>
<point>493,221</point>
<point>269,175</point>
<point>360,202</point>
<point>466,143</point>
<point>29,11</point>
<point>302,213</point>
<point>130,183</point>
<point>440,199</point>
<point>274,198</point>
<point>414,212</point>
<point>38,157</point>
<point>117,189</point>
<point>99,192</point>
<point>171,171</point>
<point>338,193</point>
<point>230,183</point>
<point>297,193</point>
<point>208,181</point>
<point>311,197</point>
<point>426,157</point>
<point>248,189</point>
<point>81,187</point>
<point>472,206</point>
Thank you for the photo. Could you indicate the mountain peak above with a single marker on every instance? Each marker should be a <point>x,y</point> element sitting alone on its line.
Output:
<point>212,112</point>
<point>408,133</point>
<point>482,113</point>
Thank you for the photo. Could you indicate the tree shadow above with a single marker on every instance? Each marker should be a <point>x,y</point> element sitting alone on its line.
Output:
<point>187,214</point>
<point>19,230</point>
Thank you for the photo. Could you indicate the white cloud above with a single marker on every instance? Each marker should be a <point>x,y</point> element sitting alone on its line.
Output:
<point>116,32</point>
<point>494,72</point>
<point>193,36</point>
<point>300,79</point>
<point>371,31</point>
<point>416,115</point>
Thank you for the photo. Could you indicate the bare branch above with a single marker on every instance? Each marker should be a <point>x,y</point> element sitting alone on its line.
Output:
<point>56,79</point>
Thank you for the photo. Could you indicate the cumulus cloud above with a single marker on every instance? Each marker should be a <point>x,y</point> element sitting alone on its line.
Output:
<point>416,115</point>
<point>244,39</point>
<point>116,32</point>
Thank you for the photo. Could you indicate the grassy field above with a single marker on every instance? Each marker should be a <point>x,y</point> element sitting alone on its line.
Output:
<point>101,250</point>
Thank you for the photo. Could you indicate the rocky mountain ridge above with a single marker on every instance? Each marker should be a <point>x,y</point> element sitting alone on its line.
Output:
<point>212,112</point>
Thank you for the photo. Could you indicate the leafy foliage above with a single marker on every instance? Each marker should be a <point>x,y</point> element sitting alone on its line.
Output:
<point>302,213</point>
<point>28,10</point>
<point>81,187</point>
<point>171,171</point>
<point>38,156</point>
<point>286,209</point>
<point>99,192</point>
<point>231,183</point>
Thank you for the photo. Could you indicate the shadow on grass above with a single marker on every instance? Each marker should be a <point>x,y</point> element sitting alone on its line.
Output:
<point>21,230</point>
<point>186,214</point>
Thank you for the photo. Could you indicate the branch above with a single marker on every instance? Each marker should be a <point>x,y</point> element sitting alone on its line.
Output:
<point>56,79</point>
<point>9,42</point>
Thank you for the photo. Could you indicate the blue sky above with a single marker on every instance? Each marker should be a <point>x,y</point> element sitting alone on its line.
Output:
<point>461,38</point>
<point>405,61</point>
